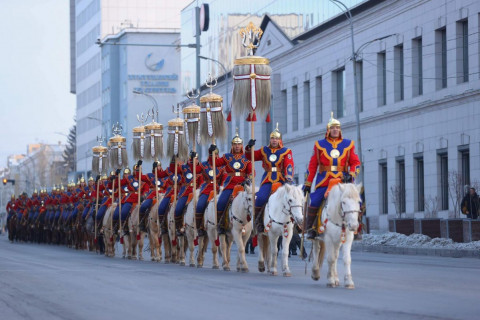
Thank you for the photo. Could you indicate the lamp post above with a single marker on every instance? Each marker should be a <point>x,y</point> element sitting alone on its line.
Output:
<point>355,54</point>
<point>155,104</point>
<point>104,128</point>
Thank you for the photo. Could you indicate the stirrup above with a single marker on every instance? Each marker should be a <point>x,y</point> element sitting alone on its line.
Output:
<point>201,232</point>
<point>312,234</point>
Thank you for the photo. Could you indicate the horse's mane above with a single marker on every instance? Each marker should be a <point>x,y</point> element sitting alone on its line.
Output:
<point>296,192</point>
<point>350,191</point>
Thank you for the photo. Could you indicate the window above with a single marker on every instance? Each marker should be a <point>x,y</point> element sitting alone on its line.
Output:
<point>443,173</point>
<point>417,66</point>
<point>339,79</point>
<point>465,165</point>
<point>306,104</point>
<point>401,185</point>
<point>462,51</point>
<point>441,58</point>
<point>318,99</point>
<point>382,78</point>
<point>283,114</point>
<point>399,73</point>
<point>419,183</point>
<point>294,108</point>
<point>383,187</point>
<point>359,79</point>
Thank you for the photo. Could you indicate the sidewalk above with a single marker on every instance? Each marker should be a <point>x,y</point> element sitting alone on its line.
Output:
<point>439,252</point>
<point>416,244</point>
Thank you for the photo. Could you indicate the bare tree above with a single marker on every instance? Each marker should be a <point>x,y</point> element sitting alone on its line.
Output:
<point>69,155</point>
<point>396,194</point>
<point>432,206</point>
<point>455,191</point>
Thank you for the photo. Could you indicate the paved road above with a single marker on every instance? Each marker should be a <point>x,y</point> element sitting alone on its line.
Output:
<point>49,282</point>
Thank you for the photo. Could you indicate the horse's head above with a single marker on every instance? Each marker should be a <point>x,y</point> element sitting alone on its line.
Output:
<point>350,204</point>
<point>293,202</point>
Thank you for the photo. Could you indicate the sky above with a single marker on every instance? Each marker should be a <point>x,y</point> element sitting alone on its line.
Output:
<point>35,100</point>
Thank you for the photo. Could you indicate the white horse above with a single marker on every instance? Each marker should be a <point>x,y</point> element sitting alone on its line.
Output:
<point>223,241</point>
<point>241,212</point>
<point>177,244</point>
<point>340,220</point>
<point>283,209</point>
<point>154,234</point>
<point>108,232</point>
<point>191,236</point>
<point>137,235</point>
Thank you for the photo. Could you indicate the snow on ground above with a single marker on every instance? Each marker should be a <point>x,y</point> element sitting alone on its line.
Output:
<point>417,241</point>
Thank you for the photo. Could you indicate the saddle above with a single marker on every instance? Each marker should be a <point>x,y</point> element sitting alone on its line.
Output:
<point>332,183</point>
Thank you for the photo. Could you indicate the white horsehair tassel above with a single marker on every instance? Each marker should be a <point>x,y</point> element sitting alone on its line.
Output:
<point>152,143</point>
<point>119,154</point>
<point>209,120</point>
<point>142,145</point>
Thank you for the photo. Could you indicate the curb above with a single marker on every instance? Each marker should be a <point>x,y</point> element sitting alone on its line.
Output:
<point>452,253</point>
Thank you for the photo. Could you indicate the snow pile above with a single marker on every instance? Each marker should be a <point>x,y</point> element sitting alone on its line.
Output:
<point>416,241</point>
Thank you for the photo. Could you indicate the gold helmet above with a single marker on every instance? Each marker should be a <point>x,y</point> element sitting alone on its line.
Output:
<point>126,171</point>
<point>35,191</point>
<point>62,188</point>
<point>90,179</point>
<point>112,173</point>
<point>104,177</point>
<point>236,138</point>
<point>332,123</point>
<point>276,133</point>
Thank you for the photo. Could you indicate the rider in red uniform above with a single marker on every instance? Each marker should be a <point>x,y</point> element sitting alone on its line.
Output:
<point>333,157</point>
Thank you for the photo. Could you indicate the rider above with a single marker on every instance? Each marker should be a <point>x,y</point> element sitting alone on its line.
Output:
<point>187,189</point>
<point>206,189</point>
<point>237,168</point>
<point>168,177</point>
<point>333,157</point>
<point>277,161</point>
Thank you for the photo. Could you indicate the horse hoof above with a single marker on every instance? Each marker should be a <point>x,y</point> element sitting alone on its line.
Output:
<point>238,269</point>
<point>287,274</point>
<point>182,264</point>
<point>273,273</point>
<point>331,285</point>
<point>134,258</point>
<point>226,268</point>
<point>215,267</point>
<point>167,262</point>
<point>261,266</point>
<point>350,286</point>
<point>199,266</point>
<point>245,270</point>
<point>153,259</point>
<point>141,259</point>
<point>315,278</point>
<point>192,265</point>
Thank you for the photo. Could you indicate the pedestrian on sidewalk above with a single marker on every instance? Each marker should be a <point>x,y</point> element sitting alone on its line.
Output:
<point>471,204</point>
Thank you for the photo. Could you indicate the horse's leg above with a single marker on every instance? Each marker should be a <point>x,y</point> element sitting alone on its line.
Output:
<point>332,256</point>
<point>181,250</point>
<point>244,239</point>
<point>285,249</point>
<point>261,253</point>
<point>273,238</point>
<point>223,246</point>
<point>201,251</point>
<point>140,245</point>
<point>241,262</point>
<point>347,261</point>
<point>167,247</point>
<point>191,247</point>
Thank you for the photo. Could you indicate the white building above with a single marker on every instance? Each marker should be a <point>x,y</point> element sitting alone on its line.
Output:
<point>418,92</point>
<point>91,20</point>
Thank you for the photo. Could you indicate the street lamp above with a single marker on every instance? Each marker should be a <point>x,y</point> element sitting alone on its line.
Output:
<point>226,75</point>
<point>104,128</point>
<point>151,98</point>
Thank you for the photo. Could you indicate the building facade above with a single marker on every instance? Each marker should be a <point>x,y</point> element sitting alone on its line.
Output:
<point>91,21</point>
<point>417,73</point>
<point>140,74</point>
